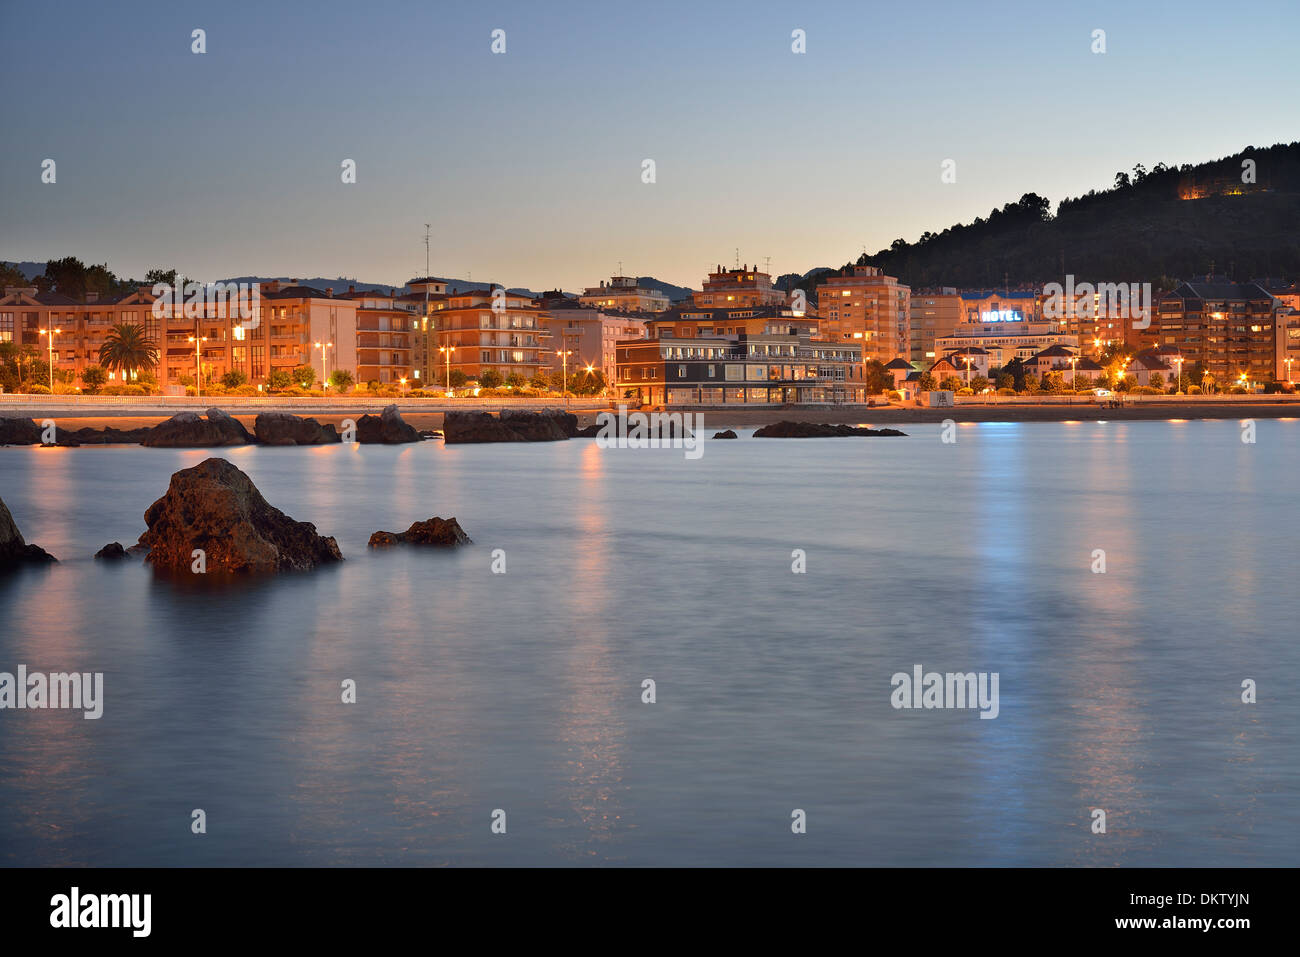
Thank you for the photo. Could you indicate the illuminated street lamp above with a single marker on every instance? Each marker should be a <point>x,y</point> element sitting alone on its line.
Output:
<point>1288,360</point>
<point>447,351</point>
<point>1073,360</point>
<point>967,360</point>
<point>198,363</point>
<point>564,359</point>
<point>51,333</point>
<point>324,351</point>
<point>1179,363</point>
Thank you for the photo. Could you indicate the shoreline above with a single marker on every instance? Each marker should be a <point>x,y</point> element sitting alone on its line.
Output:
<point>714,416</point>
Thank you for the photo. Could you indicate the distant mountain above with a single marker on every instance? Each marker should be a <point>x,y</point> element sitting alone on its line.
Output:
<point>30,270</point>
<point>674,293</point>
<point>1157,225</point>
<point>340,284</point>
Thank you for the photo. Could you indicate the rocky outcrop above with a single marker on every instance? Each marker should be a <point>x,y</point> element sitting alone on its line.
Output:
<point>815,430</point>
<point>387,428</point>
<point>19,431</point>
<point>191,430</point>
<point>281,428</point>
<point>111,436</point>
<point>112,551</point>
<point>512,425</point>
<point>728,434</point>
<point>434,531</point>
<point>217,508</point>
<point>14,549</point>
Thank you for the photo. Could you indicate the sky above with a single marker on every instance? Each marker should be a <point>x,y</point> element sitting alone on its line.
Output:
<point>528,164</point>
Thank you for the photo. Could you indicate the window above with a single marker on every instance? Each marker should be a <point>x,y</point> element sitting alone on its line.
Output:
<point>712,370</point>
<point>681,372</point>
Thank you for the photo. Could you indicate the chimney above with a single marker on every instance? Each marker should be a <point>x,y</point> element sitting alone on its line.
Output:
<point>92,297</point>
<point>352,289</point>
<point>329,292</point>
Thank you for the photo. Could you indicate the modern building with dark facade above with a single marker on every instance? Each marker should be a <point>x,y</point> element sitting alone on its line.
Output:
<point>1233,330</point>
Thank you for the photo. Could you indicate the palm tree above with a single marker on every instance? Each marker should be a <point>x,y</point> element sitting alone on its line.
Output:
<point>127,347</point>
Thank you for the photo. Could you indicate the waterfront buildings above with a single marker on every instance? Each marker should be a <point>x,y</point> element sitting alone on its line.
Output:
<point>624,294</point>
<point>488,329</point>
<point>868,306</point>
<point>1005,333</point>
<point>589,335</point>
<point>758,368</point>
<point>1237,332</point>
<point>387,330</point>
<point>695,321</point>
<point>735,288</point>
<point>933,314</point>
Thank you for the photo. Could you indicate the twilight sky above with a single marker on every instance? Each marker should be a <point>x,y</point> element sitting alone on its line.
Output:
<point>528,164</point>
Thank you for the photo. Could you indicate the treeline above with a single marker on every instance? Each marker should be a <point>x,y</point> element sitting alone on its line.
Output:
<point>1141,228</point>
<point>71,277</point>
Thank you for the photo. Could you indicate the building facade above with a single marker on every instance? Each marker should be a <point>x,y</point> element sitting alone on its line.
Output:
<point>624,294</point>
<point>868,306</point>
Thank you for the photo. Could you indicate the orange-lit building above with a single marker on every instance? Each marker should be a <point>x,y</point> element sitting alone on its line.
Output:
<point>732,288</point>
<point>867,305</point>
<point>488,329</point>
<point>624,294</point>
<point>934,313</point>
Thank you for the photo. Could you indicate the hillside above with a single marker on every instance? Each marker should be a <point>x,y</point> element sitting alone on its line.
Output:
<point>1169,222</point>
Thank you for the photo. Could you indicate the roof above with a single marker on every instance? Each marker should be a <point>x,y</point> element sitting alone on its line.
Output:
<point>898,364</point>
<point>1056,350</point>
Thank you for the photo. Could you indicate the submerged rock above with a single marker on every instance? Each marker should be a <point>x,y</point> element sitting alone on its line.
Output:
<point>113,550</point>
<point>281,428</point>
<point>191,430</point>
<point>217,508</point>
<point>14,549</point>
<point>815,430</point>
<point>433,531</point>
<point>387,428</point>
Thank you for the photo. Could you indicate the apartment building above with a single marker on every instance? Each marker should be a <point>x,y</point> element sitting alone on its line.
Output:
<point>868,306</point>
<point>591,336</point>
<point>935,313</point>
<point>488,329</point>
<point>624,294</point>
<point>387,328</point>
<point>734,288</point>
<point>1237,332</point>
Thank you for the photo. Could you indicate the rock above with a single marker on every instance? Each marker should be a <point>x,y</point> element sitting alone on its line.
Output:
<point>113,550</point>
<point>387,428</point>
<point>815,430</point>
<point>19,431</point>
<point>728,434</point>
<point>111,436</point>
<point>281,428</point>
<point>512,425</point>
<point>527,424</point>
<point>216,507</point>
<point>16,431</point>
<point>434,531</point>
<point>588,431</point>
<point>191,430</point>
<point>14,549</point>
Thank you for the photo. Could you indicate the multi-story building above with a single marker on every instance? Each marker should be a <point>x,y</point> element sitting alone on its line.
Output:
<point>427,296</point>
<point>590,335</point>
<point>387,329</point>
<point>868,306</point>
<point>1237,332</point>
<point>760,368</point>
<point>488,329</point>
<point>696,321</point>
<point>734,288</point>
<point>934,314</point>
<point>1006,335</point>
<point>624,294</point>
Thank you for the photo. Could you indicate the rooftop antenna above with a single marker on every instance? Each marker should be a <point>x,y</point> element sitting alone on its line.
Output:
<point>767,265</point>
<point>737,257</point>
<point>620,267</point>
<point>426,269</point>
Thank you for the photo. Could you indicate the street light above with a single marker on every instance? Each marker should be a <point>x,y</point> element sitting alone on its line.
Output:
<point>865,336</point>
<point>1288,360</point>
<point>564,358</point>
<point>1179,363</point>
<point>447,351</point>
<point>324,350</point>
<point>198,363</point>
<point>51,333</point>
<point>1073,360</point>
<point>967,360</point>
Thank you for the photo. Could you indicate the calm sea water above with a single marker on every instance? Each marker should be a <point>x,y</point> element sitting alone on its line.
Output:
<point>522,692</point>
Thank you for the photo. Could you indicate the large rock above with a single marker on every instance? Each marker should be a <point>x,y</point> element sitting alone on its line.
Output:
<point>111,436</point>
<point>387,428</point>
<point>14,549</point>
<point>815,430</point>
<point>434,531</point>
<point>216,507</point>
<point>727,434</point>
<point>512,425</point>
<point>19,431</point>
<point>191,430</point>
<point>112,552</point>
<point>281,428</point>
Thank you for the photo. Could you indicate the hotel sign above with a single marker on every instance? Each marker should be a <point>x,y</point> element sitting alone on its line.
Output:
<point>1000,315</point>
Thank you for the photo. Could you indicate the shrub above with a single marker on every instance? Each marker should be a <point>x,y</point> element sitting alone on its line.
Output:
<point>965,391</point>
<point>1144,390</point>
<point>1238,390</point>
<point>94,378</point>
<point>245,389</point>
<point>234,379</point>
<point>37,389</point>
<point>1194,390</point>
<point>1006,390</point>
<point>134,389</point>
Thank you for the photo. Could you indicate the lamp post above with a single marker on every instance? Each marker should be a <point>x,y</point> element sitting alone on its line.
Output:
<point>564,359</point>
<point>865,336</point>
<point>966,359</point>
<point>1073,360</point>
<point>1179,364</point>
<point>447,351</point>
<point>198,362</point>
<point>324,348</point>
<point>51,333</point>
<point>1288,360</point>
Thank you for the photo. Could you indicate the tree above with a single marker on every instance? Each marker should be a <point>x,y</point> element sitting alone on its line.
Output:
<point>304,375</point>
<point>490,379</point>
<point>341,379</point>
<point>1031,382</point>
<point>1121,180</point>
<point>93,378</point>
<point>926,382</point>
<point>952,384</point>
<point>516,381</point>
<point>877,377</point>
<point>1006,380</point>
<point>234,379</point>
<point>587,383</point>
<point>280,379</point>
<point>978,383</point>
<point>1156,381</point>
<point>128,347</point>
<point>1053,382</point>
<point>11,276</point>
<point>153,276</point>
<point>539,380</point>
<point>458,378</point>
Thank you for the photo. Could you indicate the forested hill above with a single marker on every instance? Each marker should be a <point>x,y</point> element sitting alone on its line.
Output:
<point>1171,222</point>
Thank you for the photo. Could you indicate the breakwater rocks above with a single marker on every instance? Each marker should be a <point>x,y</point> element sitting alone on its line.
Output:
<point>433,531</point>
<point>14,549</point>
<point>512,425</point>
<point>816,430</point>
<point>216,429</point>
<point>216,510</point>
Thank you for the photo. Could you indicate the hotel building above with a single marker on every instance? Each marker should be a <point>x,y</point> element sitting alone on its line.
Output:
<point>867,305</point>
<point>1005,334</point>
<point>623,294</point>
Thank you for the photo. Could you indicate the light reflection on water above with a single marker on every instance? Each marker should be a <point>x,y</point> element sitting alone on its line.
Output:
<point>522,691</point>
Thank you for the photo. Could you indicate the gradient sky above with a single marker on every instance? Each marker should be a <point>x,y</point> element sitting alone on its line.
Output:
<point>528,164</point>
